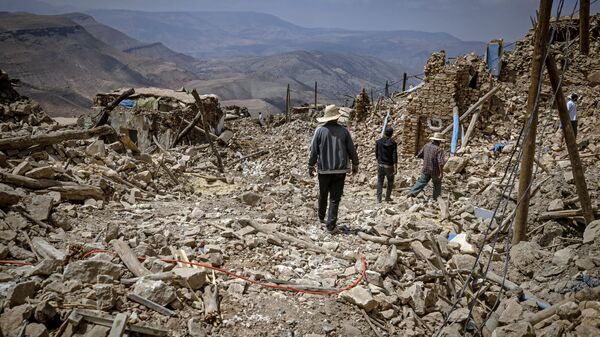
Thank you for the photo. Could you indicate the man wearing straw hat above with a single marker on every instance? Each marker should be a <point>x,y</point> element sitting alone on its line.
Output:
<point>330,149</point>
<point>433,167</point>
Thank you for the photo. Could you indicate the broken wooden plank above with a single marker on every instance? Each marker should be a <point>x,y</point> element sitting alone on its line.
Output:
<point>46,250</point>
<point>129,259</point>
<point>100,318</point>
<point>474,107</point>
<point>118,326</point>
<point>78,192</point>
<point>200,107</point>
<point>105,113</point>
<point>24,142</point>
<point>569,213</point>
<point>31,183</point>
<point>151,304</point>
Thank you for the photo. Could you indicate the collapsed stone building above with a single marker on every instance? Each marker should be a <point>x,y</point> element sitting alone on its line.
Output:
<point>446,87</point>
<point>153,115</point>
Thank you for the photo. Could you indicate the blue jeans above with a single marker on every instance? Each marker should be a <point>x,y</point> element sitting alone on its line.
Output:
<point>423,181</point>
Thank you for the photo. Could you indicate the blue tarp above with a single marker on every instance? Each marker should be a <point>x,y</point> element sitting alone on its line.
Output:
<point>127,103</point>
<point>494,58</point>
<point>455,132</point>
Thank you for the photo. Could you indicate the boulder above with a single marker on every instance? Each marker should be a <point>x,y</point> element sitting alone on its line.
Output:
<point>421,299</point>
<point>11,319</point>
<point>455,164</point>
<point>106,297</point>
<point>521,329</point>
<point>156,291</point>
<point>36,330</point>
<point>86,271</point>
<point>44,312</point>
<point>512,313</point>
<point>592,231</point>
<point>19,293</point>
<point>40,207</point>
<point>361,297</point>
<point>251,198</point>
<point>194,277</point>
<point>8,196</point>
<point>96,148</point>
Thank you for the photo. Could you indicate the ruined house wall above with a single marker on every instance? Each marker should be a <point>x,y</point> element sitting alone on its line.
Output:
<point>446,86</point>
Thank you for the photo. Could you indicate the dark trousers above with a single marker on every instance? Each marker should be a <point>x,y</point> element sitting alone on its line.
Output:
<point>382,173</point>
<point>574,124</point>
<point>423,181</point>
<point>332,186</point>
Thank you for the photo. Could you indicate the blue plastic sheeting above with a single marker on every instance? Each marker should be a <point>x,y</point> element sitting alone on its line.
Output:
<point>493,58</point>
<point>455,132</point>
<point>127,103</point>
<point>385,123</point>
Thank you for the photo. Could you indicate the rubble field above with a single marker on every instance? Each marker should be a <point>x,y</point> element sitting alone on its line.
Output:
<point>98,237</point>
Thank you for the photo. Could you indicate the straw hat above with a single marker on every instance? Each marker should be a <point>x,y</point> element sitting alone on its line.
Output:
<point>438,136</point>
<point>332,113</point>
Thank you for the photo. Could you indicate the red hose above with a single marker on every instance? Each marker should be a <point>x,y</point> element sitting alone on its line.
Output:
<point>232,274</point>
<point>262,284</point>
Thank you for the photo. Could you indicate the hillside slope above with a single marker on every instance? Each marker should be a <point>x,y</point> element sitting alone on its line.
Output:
<point>226,34</point>
<point>62,65</point>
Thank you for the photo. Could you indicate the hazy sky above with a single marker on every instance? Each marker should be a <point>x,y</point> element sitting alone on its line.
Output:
<point>467,19</point>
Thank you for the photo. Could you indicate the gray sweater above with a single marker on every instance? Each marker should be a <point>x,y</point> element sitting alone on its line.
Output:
<point>330,148</point>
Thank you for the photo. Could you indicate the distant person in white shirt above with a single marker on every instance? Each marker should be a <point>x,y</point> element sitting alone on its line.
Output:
<point>572,108</point>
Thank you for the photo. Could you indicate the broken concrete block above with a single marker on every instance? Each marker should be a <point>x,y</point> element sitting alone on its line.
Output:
<point>96,148</point>
<point>455,164</point>
<point>44,172</point>
<point>44,312</point>
<point>36,330</point>
<point>106,297</point>
<point>195,277</point>
<point>40,207</point>
<point>464,246</point>
<point>19,293</point>
<point>156,291</point>
<point>556,205</point>
<point>592,231</point>
<point>46,267</point>
<point>568,311</point>
<point>11,319</point>
<point>196,328</point>
<point>521,329</point>
<point>568,177</point>
<point>563,257</point>
<point>86,271</point>
<point>361,297</point>
<point>421,299</point>
<point>512,313</point>
<point>251,198</point>
<point>8,196</point>
<point>461,261</point>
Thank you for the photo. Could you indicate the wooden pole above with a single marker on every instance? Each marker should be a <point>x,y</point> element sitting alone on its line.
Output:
<point>387,89</point>
<point>315,95</point>
<point>404,79</point>
<point>563,113</point>
<point>200,107</point>
<point>45,139</point>
<point>584,27</point>
<point>470,129</point>
<point>105,113</point>
<point>526,169</point>
<point>287,103</point>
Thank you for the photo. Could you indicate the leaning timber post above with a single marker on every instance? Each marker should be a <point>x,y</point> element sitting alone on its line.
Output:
<point>404,79</point>
<point>315,95</point>
<point>563,113</point>
<point>526,169</point>
<point>584,27</point>
<point>287,103</point>
<point>202,112</point>
<point>387,89</point>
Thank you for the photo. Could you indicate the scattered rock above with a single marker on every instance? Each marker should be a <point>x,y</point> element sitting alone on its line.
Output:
<point>361,297</point>
<point>87,270</point>
<point>156,291</point>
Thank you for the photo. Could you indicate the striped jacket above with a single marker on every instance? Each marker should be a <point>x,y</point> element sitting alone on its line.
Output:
<point>330,149</point>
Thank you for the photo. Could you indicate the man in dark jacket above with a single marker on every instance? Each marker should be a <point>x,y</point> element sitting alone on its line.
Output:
<point>386,153</point>
<point>330,149</point>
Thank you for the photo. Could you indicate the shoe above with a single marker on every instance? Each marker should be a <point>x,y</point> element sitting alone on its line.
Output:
<point>330,227</point>
<point>390,200</point>
<point>322,220</point>
<point>344,229</point>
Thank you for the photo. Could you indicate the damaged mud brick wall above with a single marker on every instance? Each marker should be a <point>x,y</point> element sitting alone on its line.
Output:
<point>160,113</point>
<point>362,105</point>
<point>446,86</point>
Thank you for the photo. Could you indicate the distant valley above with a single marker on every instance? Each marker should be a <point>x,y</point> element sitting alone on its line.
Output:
<point>245,58</point>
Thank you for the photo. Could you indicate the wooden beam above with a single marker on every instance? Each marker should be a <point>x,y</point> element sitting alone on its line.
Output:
<point>129,258</point>
<point>526,169</point>
<point>201,113</point>
<point>101,318</point>
<point>576,167</point>
<point>563,214</point>
<point>474,107</point>
<point>118,326</point>
<point>24,142</point>
<point>150,304</point>
<point>470,129</point>
<point>105,113</point>
<point>584,27</point>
